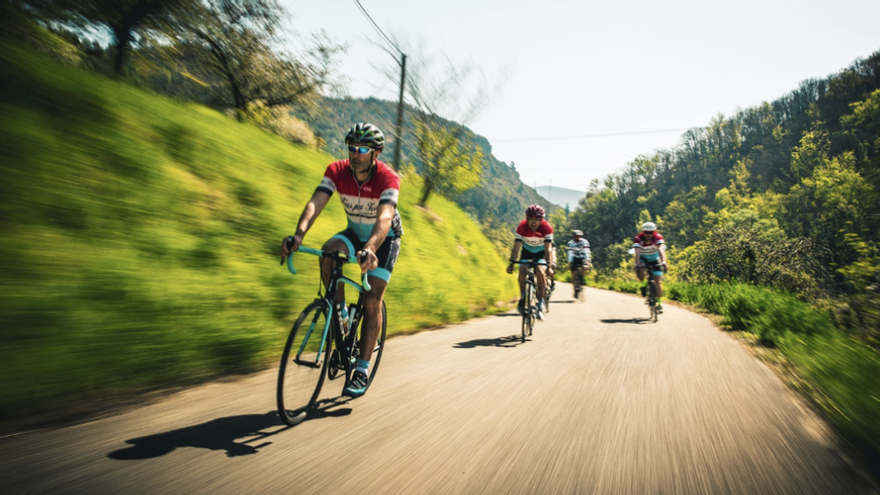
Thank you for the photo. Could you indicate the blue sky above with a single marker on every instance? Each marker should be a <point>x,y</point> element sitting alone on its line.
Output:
<point>587,68</point>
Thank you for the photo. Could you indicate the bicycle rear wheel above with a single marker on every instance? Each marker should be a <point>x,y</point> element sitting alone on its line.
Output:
<point>303,364</point>
<point>377,349</point>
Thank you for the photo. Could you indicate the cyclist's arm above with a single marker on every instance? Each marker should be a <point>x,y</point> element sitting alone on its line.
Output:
<point>384,216</point>
<point>309,214</point>
<point>514,253</point>
<point>548,248</point>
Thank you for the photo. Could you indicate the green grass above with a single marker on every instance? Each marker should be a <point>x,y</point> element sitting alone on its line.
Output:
<point>140,239</point>
<point>837,372</point>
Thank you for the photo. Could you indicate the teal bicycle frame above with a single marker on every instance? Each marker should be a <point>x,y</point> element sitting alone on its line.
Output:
<point>335,277</point>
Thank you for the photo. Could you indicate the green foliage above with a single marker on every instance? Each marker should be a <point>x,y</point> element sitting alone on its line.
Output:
<point>141,238</point>
<point>451,162</point>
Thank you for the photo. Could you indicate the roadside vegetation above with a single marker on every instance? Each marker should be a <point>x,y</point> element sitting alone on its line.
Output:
<point>141,237</point>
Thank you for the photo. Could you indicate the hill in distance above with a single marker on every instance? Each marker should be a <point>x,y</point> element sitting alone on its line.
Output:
<point>561,196</point>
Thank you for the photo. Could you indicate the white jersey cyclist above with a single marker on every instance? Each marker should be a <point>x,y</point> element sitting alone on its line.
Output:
<point>579,249</point>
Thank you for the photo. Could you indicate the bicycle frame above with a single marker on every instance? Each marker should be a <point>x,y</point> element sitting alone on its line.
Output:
<point>336,277</point>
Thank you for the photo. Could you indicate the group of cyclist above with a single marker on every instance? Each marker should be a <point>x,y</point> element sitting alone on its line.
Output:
<point>369,191</point>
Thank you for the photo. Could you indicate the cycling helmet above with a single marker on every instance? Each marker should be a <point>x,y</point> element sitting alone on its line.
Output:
<point>366,133</point>
<point>535,211</point>
<point>577,233</point>
<point>649,227</point>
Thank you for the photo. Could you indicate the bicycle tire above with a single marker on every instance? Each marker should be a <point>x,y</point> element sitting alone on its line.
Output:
<point>527,312</point>
<point>652,299</point>
<point>533,308</point>
<point>296,377</point>
<point>376,358</point>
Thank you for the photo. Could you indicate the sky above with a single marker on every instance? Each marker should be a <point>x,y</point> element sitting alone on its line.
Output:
<point>588,86</point>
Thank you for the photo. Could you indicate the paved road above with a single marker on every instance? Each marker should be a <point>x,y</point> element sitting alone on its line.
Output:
<point>596,402</point>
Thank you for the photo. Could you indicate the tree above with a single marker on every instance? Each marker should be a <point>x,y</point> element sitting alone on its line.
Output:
<point>234,46</point>
<point>451,161</point>
<point>130,22</point>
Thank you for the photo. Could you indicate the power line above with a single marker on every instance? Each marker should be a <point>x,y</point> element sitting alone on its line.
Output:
<point>367,15</point>
<point>591,135</point>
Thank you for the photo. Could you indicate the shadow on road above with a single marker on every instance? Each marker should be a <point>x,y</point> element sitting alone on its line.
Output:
<point>217,434</point>
<point>637,321</point>
<point>509,341</point>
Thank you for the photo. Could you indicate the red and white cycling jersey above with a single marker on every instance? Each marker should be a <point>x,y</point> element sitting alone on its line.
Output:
<point>533,240</point>
<point>361,201</point>
<point>649,249</point>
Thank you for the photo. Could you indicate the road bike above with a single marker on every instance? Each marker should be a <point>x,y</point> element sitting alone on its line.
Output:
<point>651,291</point>
<point>322,344</point>
<point>577,280</point>
<point>530,301</point>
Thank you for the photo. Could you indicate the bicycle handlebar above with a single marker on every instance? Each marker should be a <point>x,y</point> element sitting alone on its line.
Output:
<point>339,255</point>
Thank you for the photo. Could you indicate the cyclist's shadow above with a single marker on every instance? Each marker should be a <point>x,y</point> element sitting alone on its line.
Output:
<point>510,341</point>
<point>217,434</point>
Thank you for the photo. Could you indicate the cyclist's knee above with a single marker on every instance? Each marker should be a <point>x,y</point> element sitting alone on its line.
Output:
<point>335,243</point>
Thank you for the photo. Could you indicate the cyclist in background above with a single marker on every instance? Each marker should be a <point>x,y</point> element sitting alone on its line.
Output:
<point>369,190</point>
<point>535,236</point>
<point>651,254</point>
<point>579,255</point>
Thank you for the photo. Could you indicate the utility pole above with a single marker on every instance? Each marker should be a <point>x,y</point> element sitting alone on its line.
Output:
<point>398,139</point>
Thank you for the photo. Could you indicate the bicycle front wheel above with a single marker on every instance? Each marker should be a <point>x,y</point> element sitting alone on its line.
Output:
<point>652,299</point>
<point>303,364</point>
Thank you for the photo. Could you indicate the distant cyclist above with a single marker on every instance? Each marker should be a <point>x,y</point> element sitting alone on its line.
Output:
<point>650,254</point>
<point>535,236</point>
<point>579,255</point>
<point>369,190</point>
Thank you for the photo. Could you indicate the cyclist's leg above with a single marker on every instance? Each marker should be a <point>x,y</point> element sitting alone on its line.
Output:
<point>541,276</point>
<point>378,278</point>
<point>343,242</point>
<point>372,320</point>
<point>523,271</point>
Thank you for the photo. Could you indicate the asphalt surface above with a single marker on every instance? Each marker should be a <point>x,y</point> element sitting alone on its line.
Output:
<point>598,400</point>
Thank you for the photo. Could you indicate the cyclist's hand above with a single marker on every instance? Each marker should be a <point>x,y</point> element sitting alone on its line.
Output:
<point>367,260</point>
<point>290,244</point>
<point>510,268</point>
<point>665,267</point>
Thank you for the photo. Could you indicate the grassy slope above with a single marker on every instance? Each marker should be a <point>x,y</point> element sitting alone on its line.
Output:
<point>139,240</point>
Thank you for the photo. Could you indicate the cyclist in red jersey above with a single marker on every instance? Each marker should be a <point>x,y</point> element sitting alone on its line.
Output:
<point>650,254</point>
<point>535,236</point>
<point>369,190</point>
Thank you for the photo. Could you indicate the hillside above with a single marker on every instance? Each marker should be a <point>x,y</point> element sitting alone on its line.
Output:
<point>565,198</point>
<point>140,241</point>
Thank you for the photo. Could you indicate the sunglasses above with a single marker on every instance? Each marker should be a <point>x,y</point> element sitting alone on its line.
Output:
<point>359,149</point>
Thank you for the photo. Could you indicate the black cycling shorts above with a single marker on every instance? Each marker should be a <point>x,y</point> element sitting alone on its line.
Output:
<point>525,254</point>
